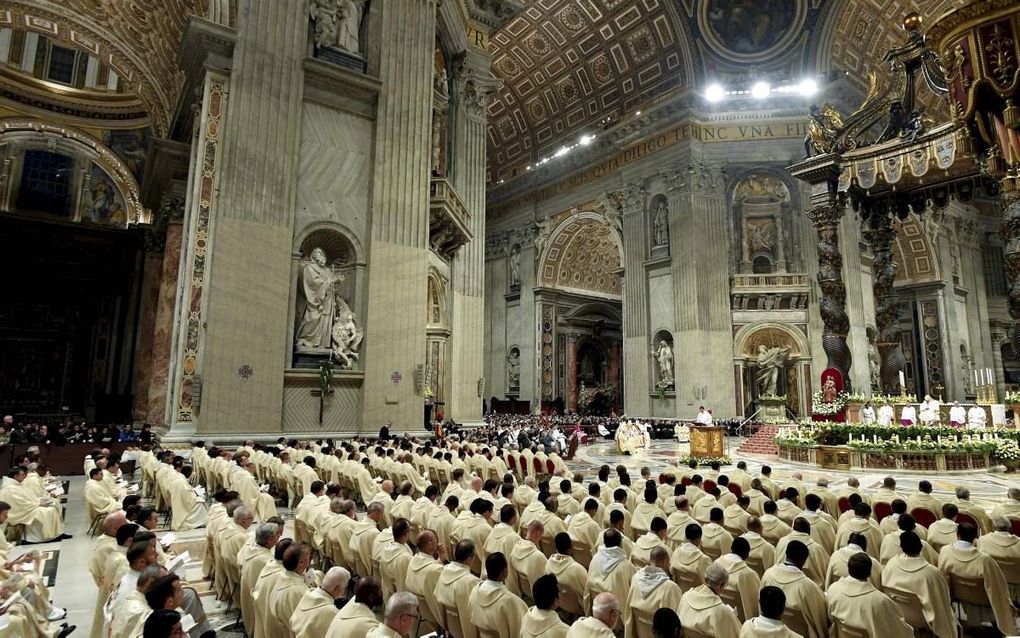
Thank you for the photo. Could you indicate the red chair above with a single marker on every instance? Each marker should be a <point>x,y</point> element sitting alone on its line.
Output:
<point>882,510</point>
<point>511,463</point>
<point>708,485</point>
<point>844,504</point>
<point>524,465</point>
<point>962,518</point>
<point>735,490</point>
<point>550,467</point>
<point>1014,526</point>
<point>923,517</point>
<point>538,468</point>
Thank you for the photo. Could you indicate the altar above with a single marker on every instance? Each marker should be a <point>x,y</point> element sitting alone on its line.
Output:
<point>707,441</point>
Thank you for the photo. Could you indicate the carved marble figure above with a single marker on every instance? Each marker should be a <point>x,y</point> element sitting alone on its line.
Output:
<point>770,361</point>
<point>660,226</point>
<point>664,355</point>
<point>316,302</point>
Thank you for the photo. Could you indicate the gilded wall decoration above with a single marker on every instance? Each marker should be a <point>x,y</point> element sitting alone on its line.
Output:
<point>139,38</point>
<point>583,255</point>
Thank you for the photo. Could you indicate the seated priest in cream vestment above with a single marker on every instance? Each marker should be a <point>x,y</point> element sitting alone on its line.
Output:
<point>41,517</point>
<point>356,618</point>
<point>252,561</point>
<point>456,582</point>
<point>964,562</point>
<point>542,621</point>
<point>853,601</point>
<point>610,571</point>
<point>316,610</point>
<point>605,616</point>
<point>802,593</point>
<point>187,503</point>
<point>771,604</point>
<point>650,589</point>
<point>702,610</point>
<point>494,608</point>
<point>911,574</point>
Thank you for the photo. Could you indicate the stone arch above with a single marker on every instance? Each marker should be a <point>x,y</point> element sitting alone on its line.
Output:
<point>31,134</point>
<point>749,337</point>
<point>436,299</point>
<point>314,228</point>
<point>584,254</point>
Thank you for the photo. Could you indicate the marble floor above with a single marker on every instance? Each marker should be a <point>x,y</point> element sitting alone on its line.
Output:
<point>73,587</point>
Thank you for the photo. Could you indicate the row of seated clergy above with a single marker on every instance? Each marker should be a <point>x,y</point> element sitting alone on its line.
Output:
<point>40,516</point>
<point>118,558</point>
<point>172,483</point>
<point>24,595</point>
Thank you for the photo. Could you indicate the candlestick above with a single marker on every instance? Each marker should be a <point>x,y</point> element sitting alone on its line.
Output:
<point>903,380</point>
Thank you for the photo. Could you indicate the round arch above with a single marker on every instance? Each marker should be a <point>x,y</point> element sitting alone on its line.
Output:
<point>37,134</point>
<point>750,336</point>
<point>584,253</point>
<point>301,236</point>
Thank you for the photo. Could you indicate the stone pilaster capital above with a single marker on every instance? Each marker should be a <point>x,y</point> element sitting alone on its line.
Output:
<point>494,13</point>
<point>474,87</point>
<point>496,244</point>
<point>694,177</point>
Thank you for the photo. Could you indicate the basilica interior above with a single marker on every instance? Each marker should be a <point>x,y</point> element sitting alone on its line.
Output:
<point>583,207</point>
<point>242,237</point>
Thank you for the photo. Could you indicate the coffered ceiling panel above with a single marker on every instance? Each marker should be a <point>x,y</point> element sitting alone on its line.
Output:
<point>568,66</point>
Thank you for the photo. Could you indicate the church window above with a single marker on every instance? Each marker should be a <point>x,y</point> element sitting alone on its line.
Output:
<point>45,182</point>
<point>62,64</point>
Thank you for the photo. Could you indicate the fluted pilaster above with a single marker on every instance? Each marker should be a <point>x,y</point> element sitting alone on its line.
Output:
<point>400,215</point>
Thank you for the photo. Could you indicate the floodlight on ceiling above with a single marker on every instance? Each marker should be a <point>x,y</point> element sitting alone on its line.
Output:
<point>807,87</point>
<point>714,93</point>
<point>586,140</point>
<point>760,90</point>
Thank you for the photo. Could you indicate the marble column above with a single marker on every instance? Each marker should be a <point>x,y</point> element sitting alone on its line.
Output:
<point>400,216</point>
<point>474,84</point>
<point>826,214</point>
<point>880,235</point>
<point>163,325</point>
<point>152,272</point>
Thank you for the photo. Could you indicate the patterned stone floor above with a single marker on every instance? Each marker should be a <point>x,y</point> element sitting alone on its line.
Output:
<point>983,486</point>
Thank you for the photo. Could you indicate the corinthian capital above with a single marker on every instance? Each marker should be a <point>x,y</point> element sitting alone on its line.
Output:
<point>474,87</point>
<point>694,177</point>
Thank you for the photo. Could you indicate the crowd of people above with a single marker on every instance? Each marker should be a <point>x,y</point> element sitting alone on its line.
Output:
<point>450,535</point>
<point>67,432</point>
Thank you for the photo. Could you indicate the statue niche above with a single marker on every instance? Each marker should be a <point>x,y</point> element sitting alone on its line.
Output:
<point>660,227</point>
<point>336,31</point>
<point>325,327</point>
<point>662,354</point>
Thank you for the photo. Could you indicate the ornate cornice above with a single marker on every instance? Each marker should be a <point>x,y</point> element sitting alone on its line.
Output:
<point>493,13</point>
<point>474,87</point>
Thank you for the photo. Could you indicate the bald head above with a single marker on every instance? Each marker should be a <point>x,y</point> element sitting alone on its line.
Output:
<point>535,531</point>
<point>387,486</point>
<point>606,608</point>
<point>114,522</point>
<point>335,582</point>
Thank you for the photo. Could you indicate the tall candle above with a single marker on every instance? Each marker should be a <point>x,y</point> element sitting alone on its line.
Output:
<point>903,380</point>
<point>988,381</point>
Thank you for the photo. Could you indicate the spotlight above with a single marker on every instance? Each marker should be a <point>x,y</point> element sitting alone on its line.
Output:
<point>586,140</point>
<point>563,150</point>
<point>807,87</point>
<point>714,93</point>
<point>760,90</point>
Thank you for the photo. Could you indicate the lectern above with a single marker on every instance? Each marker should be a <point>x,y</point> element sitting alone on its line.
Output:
<point>707,441</point>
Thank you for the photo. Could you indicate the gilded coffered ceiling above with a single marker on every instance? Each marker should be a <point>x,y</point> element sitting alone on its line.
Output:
<point>571,67</point>
<point>139,38</point>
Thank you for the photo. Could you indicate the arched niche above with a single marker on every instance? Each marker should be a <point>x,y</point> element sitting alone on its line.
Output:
<point>795,379</point>
<point>658,223</point>
<point>761,206</point>
<point>513,370</point>
<point>343,257</point>
<point>63,174</point>
<point>583,254</point>
<point>663,361</point>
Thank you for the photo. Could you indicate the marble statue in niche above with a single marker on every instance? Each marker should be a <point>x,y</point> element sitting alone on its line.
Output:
<point>513,367</point>
<point>337,23</point>
<point>325,323</point>
<point>515,266</point>
<point>874,359</point>
<point>660,226</point>
<point>664,360</point>
<point>770,362</point>
<point>761,236</point>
